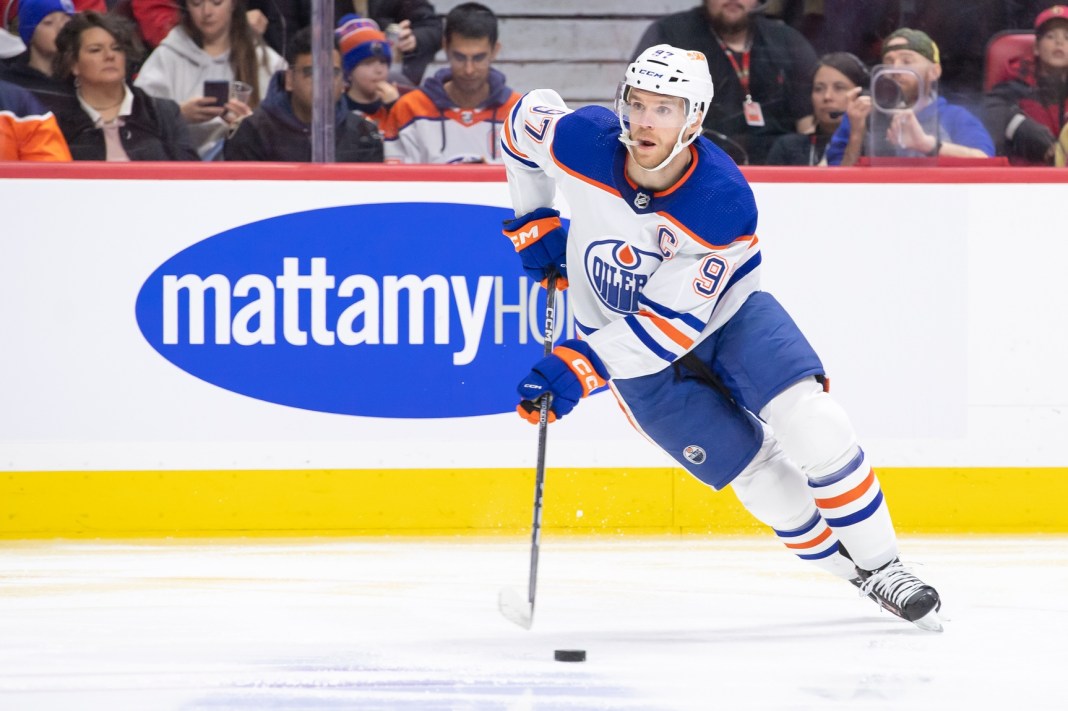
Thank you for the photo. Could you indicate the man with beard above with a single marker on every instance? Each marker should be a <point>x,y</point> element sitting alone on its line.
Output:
<point>456,115</point>
<point>959,134</point>
<point>762,70</point>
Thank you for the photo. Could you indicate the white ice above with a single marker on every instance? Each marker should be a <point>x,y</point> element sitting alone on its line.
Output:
<point>667,623</point>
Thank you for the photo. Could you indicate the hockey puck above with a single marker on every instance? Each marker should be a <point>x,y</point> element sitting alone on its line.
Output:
<point>570,655</point>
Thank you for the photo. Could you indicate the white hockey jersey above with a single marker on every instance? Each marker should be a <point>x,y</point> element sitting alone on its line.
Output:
<point>651,273</point>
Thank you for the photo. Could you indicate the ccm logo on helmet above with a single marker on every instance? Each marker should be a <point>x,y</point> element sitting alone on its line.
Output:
<point>648,72</point>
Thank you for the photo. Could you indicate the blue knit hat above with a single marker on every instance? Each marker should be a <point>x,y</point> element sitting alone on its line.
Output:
<point>31,12</point>
<point>359,38</point>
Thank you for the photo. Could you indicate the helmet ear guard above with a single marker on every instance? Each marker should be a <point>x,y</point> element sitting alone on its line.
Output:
<point>668,71</point>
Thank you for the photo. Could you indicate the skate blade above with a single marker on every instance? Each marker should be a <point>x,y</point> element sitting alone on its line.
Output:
<point>515,608</point>
<point>931,622</point>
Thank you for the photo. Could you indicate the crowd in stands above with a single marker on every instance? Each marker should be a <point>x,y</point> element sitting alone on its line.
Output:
<point>797,82</point>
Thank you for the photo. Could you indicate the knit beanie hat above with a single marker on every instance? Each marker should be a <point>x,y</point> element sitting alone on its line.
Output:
<point>31,12</point>
<point>359,38</point>
<point>916,40</point>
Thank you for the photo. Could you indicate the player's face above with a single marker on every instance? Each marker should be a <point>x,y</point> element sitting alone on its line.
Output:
<point>1052,46</point>
<point>470,61</point>
<point>830,89</point>
<point>655,120</point>
<point>44,36</point>
<point>101,60</point>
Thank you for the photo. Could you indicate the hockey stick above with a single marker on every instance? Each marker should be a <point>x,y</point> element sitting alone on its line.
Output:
<point>510,602</point>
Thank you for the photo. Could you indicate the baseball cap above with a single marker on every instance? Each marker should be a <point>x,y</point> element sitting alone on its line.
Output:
<point>916,40</point>
<point>31,12</point>
<point>1057,12</point>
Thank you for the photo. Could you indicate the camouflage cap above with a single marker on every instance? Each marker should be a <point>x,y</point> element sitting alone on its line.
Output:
<point>916,40</point>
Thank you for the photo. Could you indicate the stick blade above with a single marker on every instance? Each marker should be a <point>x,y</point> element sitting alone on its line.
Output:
<point>515,608</point>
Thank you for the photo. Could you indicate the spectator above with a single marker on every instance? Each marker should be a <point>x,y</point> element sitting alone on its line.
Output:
<point>109,120</point>
<point>9,11</point>
<point>455,116</point>
<point>417,27</point>
<point>27,130</point>
<point>156,18</point>
<point>213,40</point>
<point>836,75</point>
<point>366,56</point>
<point>1026,113</point>
<point>761,68</point>
<point>39,23</point>
<point>960,134</point>
<point>280,129</point>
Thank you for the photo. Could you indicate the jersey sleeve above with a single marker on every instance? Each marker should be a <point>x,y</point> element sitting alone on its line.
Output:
<point>526,144</point>
<point>676,305</point>
<point>32,138</point>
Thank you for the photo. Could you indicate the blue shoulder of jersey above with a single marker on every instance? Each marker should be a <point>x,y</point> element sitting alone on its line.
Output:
<point>715,203</point>
<point>587,141</point>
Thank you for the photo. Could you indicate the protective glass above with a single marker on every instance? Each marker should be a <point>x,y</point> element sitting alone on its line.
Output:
<point>904,117</point>
<point>653,110</point>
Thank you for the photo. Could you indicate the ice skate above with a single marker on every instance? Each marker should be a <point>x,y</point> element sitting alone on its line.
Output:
<point>896,589</point>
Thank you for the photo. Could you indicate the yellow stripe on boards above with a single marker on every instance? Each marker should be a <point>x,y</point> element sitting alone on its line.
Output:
<point>117,504</point>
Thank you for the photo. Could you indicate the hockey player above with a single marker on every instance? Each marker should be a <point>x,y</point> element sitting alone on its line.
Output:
<point>664,266</point>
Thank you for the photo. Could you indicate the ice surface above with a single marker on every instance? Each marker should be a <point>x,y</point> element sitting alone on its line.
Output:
<point>668,623</point>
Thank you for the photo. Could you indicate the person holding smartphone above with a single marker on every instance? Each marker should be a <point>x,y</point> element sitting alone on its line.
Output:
<point>213,42</point>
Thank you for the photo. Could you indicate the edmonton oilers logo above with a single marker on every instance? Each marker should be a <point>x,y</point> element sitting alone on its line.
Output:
<point>694,454</point>
<point>618,273</point>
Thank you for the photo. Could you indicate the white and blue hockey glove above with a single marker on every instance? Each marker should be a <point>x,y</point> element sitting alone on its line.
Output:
<point>571,372</point>
<point>541,240</point>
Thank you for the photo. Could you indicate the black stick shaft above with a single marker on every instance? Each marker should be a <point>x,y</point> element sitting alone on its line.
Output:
<point>543,431</point>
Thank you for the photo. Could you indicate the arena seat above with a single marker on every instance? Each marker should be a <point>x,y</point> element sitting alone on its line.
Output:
<point>1000,50</point>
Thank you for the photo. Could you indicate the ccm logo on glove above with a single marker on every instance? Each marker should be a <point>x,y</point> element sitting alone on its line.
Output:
<point>541,241</point>
<point>571,372</point>
<point>582,368</point>
<point>533,231</point>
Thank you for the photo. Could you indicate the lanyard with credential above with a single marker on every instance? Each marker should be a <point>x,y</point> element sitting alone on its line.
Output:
<point>754,116</point>
<point>742,72</point>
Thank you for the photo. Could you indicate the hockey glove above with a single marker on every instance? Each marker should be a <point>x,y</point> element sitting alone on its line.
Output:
<point>541,240</point>
<point>571,372</point>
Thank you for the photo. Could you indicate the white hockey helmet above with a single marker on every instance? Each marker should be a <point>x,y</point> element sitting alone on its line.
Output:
<point>670,71</point>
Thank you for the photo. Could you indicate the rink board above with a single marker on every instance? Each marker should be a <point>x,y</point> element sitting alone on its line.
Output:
<point>152,385</point>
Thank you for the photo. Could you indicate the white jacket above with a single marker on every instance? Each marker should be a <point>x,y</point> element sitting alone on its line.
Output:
<point>177,69</point>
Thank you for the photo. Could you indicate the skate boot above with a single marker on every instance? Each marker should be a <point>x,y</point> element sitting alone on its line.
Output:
<point>896,589</point>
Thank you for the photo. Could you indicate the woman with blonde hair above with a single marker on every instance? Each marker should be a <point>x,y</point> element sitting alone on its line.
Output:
<point>213,41</point>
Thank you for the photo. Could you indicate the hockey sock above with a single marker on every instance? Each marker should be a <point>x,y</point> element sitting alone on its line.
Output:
<point>852,504</point>
<point>776,492</point>
<point>817,543</point>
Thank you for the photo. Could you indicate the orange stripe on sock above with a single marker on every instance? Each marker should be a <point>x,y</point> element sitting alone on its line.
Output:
<point>850,496</point>
<point>813,543</point>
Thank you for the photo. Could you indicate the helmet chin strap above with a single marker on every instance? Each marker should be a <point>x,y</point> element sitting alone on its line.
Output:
<point>625,139</point>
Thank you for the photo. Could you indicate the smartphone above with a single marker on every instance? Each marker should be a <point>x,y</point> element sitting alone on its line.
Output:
<point>217,89</point>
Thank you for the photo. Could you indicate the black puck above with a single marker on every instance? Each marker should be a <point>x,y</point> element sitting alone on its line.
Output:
<point>570,655</point>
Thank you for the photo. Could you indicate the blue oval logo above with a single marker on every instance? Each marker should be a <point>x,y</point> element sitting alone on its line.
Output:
<point>382,310</point>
